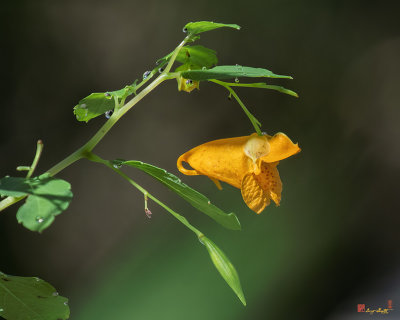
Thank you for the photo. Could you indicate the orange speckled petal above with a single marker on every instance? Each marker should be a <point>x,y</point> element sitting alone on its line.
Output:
<point>281,147</point>
<point>257,190</point>
<point>270,181</point>
<point>253,195</point>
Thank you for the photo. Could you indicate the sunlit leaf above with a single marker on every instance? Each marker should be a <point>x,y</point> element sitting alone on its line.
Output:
<point>227,72</point>
<point>276,88</point>
<point>122,93</point>
<point>23,298</point>
<point>224,267</point>
<point>195,56</point>
<point>193,28</point>
<point>196,199</point>
<point>92,106</point>
<point>47,197</point>
<point>261,85</point>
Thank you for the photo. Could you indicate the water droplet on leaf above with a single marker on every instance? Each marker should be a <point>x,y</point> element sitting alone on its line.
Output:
<point>161,70</point>
<point>236,80</point>
<point>39,219</point>
<point>204,68</point>
<point>189,82</point>
<point>185,30</point>
<point>146,75</point>
<point>107,94</point>
<point>66,303</point>
<point>108,114</point>
<point>55,294</point>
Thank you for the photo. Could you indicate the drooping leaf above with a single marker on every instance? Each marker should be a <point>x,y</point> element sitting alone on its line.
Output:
<point>228,72</point>
<point>92,106</point>
<point>261,85</point>
<point>276,88</point>
<point>195,56</point>
<point>196,199</point>
<point>224,267</point>
<point>23,298</point>
<point>193,28</point>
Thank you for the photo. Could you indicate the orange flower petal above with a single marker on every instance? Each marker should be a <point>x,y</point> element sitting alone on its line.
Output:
<point>281,147</point>
<point>248,163</point>
<point>222,159</point>
<point>270,181</point>
<point>253,195</point>
<point>258,189</point>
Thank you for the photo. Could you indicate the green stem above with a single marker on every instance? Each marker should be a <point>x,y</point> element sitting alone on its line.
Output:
<point>89,146</point>
<point>39,149</point>
<point>95,158</point>
<point>9,201</point>
<point>174,55</point>
<point>252,119</point>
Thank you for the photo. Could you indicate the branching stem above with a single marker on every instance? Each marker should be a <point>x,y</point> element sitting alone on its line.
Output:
<point>89,146</point>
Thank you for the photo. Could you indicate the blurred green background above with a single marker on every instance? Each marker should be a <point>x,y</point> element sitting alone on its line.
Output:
<point>333,242</point>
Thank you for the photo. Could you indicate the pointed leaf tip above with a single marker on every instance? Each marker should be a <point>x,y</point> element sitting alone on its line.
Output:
<point>193,28</point>
<point>230,72</point>
<point>224,267</point>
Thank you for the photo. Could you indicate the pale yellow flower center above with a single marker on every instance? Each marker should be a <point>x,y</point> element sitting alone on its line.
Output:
<point>257,147</point>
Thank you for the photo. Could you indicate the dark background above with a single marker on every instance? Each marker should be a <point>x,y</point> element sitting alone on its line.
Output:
<point>333,242</point>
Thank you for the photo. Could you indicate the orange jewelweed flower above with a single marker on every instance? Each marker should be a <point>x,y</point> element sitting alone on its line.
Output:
<point>248,163</point>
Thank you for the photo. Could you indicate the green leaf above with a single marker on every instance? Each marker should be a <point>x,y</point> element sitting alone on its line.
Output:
<point>224,267</point>
<point>92,106</point>
<point>30,298</point>
<point>261,85</point>
<point>276,88</point>
<point>195,56</point>
<point>122,93</point>
<point>14,186</point>
<point>47,198</point>
<point>227,72</point>
<point>193,28</point>
<point>196,199</point>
